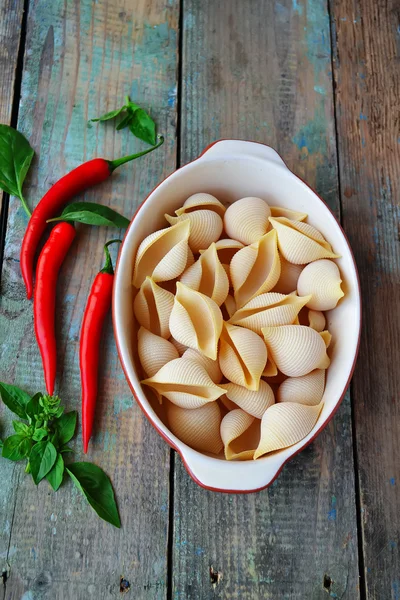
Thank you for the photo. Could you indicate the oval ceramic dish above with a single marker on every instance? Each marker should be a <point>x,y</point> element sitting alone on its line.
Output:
<point>233,169</point>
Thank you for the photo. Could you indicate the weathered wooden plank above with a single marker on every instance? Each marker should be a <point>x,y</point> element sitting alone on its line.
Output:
<point>262,71</point>
<point>367,53</point>
<point>10,25</point>
<point>81,58</point>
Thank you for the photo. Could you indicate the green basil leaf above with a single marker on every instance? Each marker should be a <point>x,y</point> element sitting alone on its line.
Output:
<point>32,408</point>
<point>14,398</point>
<point>16,447</point>
<point>125,122</point>
<point>65,449</point>
<point>91,213</point>
<point>66,426</point>
<point>110,115</point>
<point>39,434</point>
<point>21,428</point>
<point>56,473</point>
<point>96,486</point>
<point>15,158</point>
<point>1,444</point>
<point>42,457</point>
<point>143,127</point>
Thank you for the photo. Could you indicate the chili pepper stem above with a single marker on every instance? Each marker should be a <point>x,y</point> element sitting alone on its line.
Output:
<point>114,164</point>
<point>108,266</point>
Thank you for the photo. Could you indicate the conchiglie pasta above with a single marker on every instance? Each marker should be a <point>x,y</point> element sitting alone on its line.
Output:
<point>285,424</point>
<point>205,227</point>
<point>240,433</point>
<point>271,369</point>
<point>152,307</point>
<point>316,320</point>
<point>163,254</point>
<point>211,366</point>
<point>184,382</point>
<point>242,356</point>
<point>255,269</point>
<point>307,389</point>
<point>226,248</point>
<point>196,321</point>
<point>288,278</point>
<point>327,337</point>
<point>180,347</point>
<point>294,215</point>
<point>322,280</point>
<point>268,310</point>
<point>201,201</point>
<point>208,276</point>
<point>229,306</point>
<point>154,351</point>
<point>199,428</point>
<point>246,220</point>
<point>300,243</point>
<point>296,349</point>
<point>254,403</point>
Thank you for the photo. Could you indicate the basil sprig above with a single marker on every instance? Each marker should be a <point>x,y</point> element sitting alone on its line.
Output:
<point>41,438</point>
<point>91,213</point>
<point>136,118</point>
<point>15,158</point>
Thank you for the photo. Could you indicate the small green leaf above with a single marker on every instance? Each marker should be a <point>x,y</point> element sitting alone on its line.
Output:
<point>96,486</point>
<point>56,473</point>
<point>15,158</point>
<point>42,457</point>
<point>39,434</point>
<point>91,213</point>
<point>66,426</point>
<point>110,115</point>
<point>143,127</point>
<point>32,408</point>
<point>16,447</point>
<point>65,449</point>
<point>21,428</point>
<point>125,122</point>
<point>14,398</point>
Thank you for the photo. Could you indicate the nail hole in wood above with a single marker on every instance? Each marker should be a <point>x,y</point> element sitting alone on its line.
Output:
<point>4,576</point>
<point>124,585</point>
<point>215,576</point>
<point>327,583</point>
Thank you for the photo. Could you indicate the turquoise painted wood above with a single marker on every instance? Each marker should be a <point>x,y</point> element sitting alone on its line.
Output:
<point>80,60</point>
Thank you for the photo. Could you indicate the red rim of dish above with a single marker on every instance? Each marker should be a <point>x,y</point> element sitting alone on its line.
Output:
<point>163,435</point>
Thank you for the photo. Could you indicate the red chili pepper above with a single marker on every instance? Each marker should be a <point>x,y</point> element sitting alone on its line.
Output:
<point>83,177</point>
<point>44,301</point>
<point>97,307</point>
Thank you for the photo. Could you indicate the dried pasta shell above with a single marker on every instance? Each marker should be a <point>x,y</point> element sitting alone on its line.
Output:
<point>228,403</point>
<point>285,424</point>
<point>288,278</point>
<point>268,310</point>
<point>226,249</point>
<point>201,201</point>
<point>316,320</point>
<point>184,382</point>
<point>180,347</point>
<point>230,306</point>
<point>322,280</point>
<point>296,349</point>
<point>152,307</point>
<point>270,368</point>
<point>299,242</point>
<point>211,366</point>
<point>254,403</point>
<point>246,220</point>
<point>242,356</point>
<point>240,433</point>
<point>154,351</point>
<point>307,389</point>
<point>196,321</point>
<point>190,259</point>
<point>294,215</point>
<point>327,337</point>
<point>205,227</point>
<point>255,269</point>
<point>199,428</point>
<point>208,276</point>
<point>162,254</point>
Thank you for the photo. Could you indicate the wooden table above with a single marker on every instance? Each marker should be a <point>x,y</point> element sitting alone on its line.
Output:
<point>318,81</point>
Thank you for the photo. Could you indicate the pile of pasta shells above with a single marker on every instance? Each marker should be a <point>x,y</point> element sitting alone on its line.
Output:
<point>232,337</point>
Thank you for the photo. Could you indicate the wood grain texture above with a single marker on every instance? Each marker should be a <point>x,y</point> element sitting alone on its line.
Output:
<point>81,59</point>
<point>367,73</point>
<point>262,71</point>
<point>10,25</point>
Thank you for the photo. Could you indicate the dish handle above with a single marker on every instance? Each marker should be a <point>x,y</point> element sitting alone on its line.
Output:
<point>229,148</point>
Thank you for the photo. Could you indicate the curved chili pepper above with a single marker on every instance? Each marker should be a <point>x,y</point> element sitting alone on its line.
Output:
<point>44,301</point>
<point>83,177</point>
<point>97,307</point>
